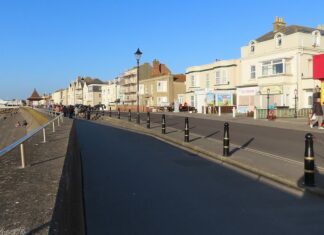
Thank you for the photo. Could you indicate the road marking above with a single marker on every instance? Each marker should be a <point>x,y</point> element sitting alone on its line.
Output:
<point>270,155</point>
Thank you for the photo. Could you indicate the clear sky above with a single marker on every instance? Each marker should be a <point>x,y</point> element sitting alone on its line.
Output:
<point>45,44</point>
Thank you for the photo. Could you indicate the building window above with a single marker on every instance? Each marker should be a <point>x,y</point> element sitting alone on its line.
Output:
<point>273,67</point>
<point>162,101</point>
<point>252,47</point>
<point>277,67</point>
<point>316,38</point>
<point>207,81</point>
<point>161,86</point>
<point>192,81</point>
<point>192,101</point>
<point>221,77</point>
<point>218,77</point>
<point>278,40</point>
<point>252,72</point>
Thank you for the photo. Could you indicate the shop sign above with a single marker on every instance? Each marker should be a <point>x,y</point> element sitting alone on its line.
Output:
<point>272,89</point>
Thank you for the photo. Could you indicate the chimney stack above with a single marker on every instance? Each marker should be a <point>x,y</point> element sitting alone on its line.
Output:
<point>278,24</point>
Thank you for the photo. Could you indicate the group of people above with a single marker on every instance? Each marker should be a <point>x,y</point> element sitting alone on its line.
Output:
<point>317,114</point>
<point>66,110</point>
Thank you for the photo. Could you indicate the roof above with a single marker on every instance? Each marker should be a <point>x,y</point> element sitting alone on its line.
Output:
<point>291,29</point>
<point>35,96</point>
<point>179,77</point>
<point>89,81</point>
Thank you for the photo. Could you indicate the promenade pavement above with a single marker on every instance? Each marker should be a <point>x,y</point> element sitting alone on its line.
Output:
<point>265,165</point>
<point>28,195</point>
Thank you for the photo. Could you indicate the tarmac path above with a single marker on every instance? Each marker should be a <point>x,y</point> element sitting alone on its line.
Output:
<point>136,184</point>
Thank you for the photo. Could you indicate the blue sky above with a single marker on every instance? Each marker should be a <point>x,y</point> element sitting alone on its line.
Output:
<point>45,44</point>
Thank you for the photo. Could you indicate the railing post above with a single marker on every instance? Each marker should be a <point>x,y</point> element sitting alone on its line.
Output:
<point>109,111</point>
<point>53,126</point>
<point>148,121</point>
<point>44,135</point>
<point>22,153</point>
<point>58,121</point>
<point>226,140</point>
<point>62,119</point>
<point>255,113</point>
<point>118,113</point>
<point>219,111</point>
<point>163,123</point>
<point>186,132</point>
<point>129,115</point>
<point>309,161</point>
<point>234,112</point>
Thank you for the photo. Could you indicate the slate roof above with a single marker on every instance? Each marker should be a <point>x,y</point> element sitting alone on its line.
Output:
<point>286,31</point>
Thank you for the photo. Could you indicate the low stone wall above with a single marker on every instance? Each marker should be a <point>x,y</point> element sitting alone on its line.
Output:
<point>69,216</point>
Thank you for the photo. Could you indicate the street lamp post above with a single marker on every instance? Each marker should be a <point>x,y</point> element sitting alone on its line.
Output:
<point>296,100</point>
<point>138,55</point>
<point>268,97</point>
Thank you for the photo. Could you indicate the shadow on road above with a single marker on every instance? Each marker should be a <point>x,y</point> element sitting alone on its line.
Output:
<point>241,147</point>
<point>210,135</point>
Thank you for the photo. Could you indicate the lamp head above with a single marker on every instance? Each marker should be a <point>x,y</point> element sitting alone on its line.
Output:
<point>138,54</point>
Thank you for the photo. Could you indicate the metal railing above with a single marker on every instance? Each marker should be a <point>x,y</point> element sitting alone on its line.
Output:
<point>22,140</point>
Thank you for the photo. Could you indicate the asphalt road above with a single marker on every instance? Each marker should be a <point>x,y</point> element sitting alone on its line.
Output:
<point>281,142</point>
<point>135,184</point>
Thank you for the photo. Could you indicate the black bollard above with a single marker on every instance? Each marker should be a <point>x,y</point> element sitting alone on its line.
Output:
<point>129,115</point>
<point>109,111</point>
<point>148,121</point>
<point>309,161</point>
<point>118,113</point>
<point>226,141</point>
<point>163,123</point>
<point>186,132</point>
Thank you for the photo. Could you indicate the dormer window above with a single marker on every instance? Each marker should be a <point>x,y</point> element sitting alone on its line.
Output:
<point>316,38</point>
<point>252,46</point>
<point>278,39</point>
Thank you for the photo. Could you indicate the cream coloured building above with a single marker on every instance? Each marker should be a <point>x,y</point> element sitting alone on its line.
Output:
<point>60,97</point>
<point>212,84</point>
<point>279,63</point>
<point>111,93</point>
<point>85,90</point>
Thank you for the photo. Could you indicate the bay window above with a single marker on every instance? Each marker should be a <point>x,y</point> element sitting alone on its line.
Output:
<point>273,67</point>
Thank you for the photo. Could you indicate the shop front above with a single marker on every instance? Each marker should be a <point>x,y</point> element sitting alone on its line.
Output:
<point>246,97</point>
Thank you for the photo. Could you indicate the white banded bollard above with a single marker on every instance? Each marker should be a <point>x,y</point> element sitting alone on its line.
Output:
<point>129,115</point>
<point>186,132</point>
<point>309,161</point>
<point>148,121</point>
<point>109,111</point>
<point>226,140</point>
<point>163,123</point>
<point>118,113</point>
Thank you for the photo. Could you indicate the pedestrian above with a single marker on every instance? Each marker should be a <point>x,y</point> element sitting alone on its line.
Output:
<point>318,112</point>
<point>64,109</point>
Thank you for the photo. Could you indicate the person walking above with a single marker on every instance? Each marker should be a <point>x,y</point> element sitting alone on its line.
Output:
<point>318,112</point>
